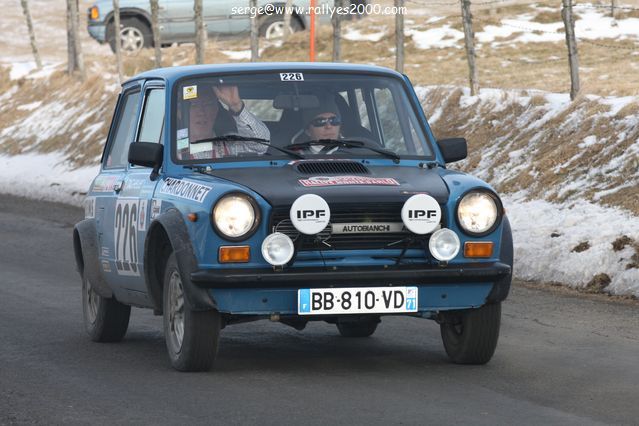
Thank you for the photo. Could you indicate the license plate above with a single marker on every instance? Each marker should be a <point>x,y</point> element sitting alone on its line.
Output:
<point>357,300</point>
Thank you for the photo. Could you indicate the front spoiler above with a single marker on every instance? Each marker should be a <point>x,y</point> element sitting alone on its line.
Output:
<point>351,276</point>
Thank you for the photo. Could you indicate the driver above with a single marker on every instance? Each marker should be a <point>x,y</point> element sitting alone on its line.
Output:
<point>208,119</point>
<point>323,122</point>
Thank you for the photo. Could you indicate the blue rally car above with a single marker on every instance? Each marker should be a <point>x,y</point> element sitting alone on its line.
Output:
<point>290,191</point>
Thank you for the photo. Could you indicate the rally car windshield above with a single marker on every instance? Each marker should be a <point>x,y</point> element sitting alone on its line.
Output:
<point>295,115</point>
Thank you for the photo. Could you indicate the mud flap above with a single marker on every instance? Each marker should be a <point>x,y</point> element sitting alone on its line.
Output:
<point>85,247</point>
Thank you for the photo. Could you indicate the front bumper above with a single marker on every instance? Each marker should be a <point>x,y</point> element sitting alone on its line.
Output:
<point>350,276</point>
<point>98,32</point>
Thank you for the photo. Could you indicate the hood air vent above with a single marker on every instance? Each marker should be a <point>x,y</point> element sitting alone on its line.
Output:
<point>332,168</point>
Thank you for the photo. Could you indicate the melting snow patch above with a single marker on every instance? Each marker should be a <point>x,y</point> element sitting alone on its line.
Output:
<point>356,35</point>
<point>538,256</point>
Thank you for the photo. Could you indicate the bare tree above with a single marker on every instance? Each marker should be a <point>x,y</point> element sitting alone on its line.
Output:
<point>613,6</point>
<point>399,36</point>
<point>200,33</point>
<point>118,39</point>
<point>337,32</point>
<point>287,18</point>
<point>34,45</point>
<point>469,39</point>
<point>255,47</point>
<point>571,43</point>
<point>155,28</point>
<point>74,47</point>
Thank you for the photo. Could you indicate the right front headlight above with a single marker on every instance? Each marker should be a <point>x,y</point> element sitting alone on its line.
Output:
<point>235,216</point>
<point>478,212</point>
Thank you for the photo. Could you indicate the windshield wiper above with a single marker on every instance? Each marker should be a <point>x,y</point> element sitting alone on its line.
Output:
<point>239,138</point>
<point>345,143</point>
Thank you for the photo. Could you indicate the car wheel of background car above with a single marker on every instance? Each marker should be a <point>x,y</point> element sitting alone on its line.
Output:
<point>134,35</point>
<point>191,336</point>
<point>470,337</point>
<point>272,27</point>
<point>106,320</point>
<point>363,328</point>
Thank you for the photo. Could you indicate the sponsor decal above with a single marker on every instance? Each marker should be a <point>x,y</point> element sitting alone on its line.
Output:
<point>105,252</point>
<point>143,213</point>
<point>156,208</point>
<point>184,189</point>
<point>125,227</point>
<point>291,76</point>
<point>106,266</point>
<point>189,92</point>
<point>347,180</point>
<point>310,214</point>
<point>104,183</point>
<point>421,214</point>
<point>89,208</point>
<point>132,187</point>
<point>182,138</point>
<point>368,228</point>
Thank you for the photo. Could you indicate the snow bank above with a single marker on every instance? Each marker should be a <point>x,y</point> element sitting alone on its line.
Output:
<point>45,177</point>
<point>546,234</point>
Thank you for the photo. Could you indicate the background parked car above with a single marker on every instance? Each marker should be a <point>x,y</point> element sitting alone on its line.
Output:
<point>177,21</point>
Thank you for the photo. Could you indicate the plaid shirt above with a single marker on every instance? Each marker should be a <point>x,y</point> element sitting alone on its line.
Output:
<point>248,125</point>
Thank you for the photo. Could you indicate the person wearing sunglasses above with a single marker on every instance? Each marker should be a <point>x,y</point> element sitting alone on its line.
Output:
<point>323,122</point>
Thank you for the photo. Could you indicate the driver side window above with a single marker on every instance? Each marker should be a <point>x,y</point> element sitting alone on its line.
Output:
<point>124,131</point>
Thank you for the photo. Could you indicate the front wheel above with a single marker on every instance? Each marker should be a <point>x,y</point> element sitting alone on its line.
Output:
<point>191,336</point>
<point>273,27</point>
<point>470,337</point>
<point>105,320</point>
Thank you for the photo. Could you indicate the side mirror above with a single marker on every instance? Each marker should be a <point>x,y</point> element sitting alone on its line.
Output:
<point>147,154</point>
<point>453,149</point>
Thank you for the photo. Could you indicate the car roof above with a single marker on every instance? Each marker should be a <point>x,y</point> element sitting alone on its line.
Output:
<point>173,73</point>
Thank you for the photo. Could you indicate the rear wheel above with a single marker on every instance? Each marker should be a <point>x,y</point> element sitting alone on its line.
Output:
<point>191,336</point>
<point>134,36</point>
<point>360,328</point>
<point>470,337</point>
<point>106,320</point>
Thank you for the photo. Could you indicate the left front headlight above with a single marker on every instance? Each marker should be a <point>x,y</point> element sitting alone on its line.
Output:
<point>477,212</point>
<point>235,216</point>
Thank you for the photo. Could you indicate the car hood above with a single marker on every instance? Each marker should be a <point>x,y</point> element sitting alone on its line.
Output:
<point>280,186</point>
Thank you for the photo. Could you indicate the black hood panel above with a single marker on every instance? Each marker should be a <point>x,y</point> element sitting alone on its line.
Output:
<point>280,186</point>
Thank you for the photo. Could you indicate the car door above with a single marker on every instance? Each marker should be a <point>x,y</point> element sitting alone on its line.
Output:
<point>181,18</point>
<point>109,183</point>
<point>131,212</point>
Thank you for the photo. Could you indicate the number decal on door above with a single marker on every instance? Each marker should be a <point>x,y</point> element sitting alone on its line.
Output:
<point>125,230</point>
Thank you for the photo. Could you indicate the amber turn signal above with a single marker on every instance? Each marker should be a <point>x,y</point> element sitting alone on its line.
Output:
<point>478,249</point>
<point>234,254</point>
<point>95,13</point>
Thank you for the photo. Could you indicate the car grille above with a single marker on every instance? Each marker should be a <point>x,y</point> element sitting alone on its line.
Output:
<point>349,213</point>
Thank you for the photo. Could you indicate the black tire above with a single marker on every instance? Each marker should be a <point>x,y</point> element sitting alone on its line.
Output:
<point>363,328</point>
<point>105,320</point>
<point>470,337</point>
<point>135,26</point>
<point>196,349</point>
<point>268,22</point>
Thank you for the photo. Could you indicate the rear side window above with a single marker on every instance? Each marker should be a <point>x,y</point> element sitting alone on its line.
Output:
<point>124,131</point>
<point>152,117</point>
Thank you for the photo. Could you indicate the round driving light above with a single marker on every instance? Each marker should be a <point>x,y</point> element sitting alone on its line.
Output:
<point>234,216</point>
<point>444,244</point>
<point>310,214</point>
<point>277,249</point>
<point>421,214</point>
<point>477,212</point>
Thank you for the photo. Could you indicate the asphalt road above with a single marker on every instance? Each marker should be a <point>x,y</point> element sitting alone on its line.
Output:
<point>562,359</point>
